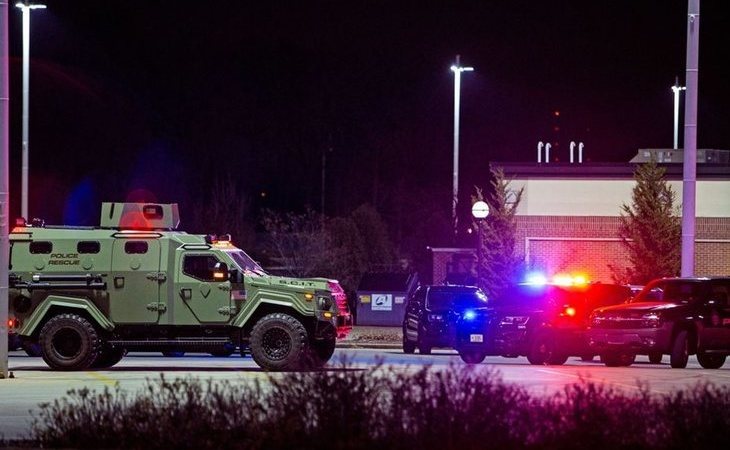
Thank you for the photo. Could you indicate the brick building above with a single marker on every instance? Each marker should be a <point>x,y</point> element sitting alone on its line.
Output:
<point>568,218</point>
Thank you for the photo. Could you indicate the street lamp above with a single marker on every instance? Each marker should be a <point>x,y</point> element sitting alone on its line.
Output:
<point>676,89</point>
<point>479,210</point>
<point>457,69</point>
<point>26,7</point>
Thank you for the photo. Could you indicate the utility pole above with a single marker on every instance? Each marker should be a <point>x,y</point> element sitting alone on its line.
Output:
<point>4,186</point>
<point>689,179</point>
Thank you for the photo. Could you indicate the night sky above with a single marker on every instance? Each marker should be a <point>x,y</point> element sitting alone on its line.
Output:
<point>161,98</point>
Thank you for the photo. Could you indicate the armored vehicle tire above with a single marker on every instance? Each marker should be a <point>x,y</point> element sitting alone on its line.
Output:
<point>655,358</point>
<point>279,342</point>
<point>617,359</point>
<point>408,346</point>
<point>108,357</point>
<point>543,351</point>
<point>680,350</point>
<point>69,342</point>
<point>472,356</point>
<point>711,360</point>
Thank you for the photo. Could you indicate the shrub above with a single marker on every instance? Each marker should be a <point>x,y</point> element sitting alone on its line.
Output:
<point>385,408</point>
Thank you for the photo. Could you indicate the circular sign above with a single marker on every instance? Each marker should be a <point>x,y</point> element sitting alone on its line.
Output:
<point>480,210</point>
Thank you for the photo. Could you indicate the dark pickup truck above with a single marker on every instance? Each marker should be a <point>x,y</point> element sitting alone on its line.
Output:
<point>674,316</point>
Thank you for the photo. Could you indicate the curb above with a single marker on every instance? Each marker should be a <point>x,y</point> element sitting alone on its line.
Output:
<point>383,346</point>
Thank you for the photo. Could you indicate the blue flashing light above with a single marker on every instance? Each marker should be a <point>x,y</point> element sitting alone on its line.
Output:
<point>470,314</point>
<point>536,278</point>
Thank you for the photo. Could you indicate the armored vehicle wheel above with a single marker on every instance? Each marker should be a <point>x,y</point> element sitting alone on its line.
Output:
<point>279,342</point>
<point>655,358</point>
<point>109,356</point>
<point>69,342</point>
<point>710,360</point>
<point>680,351</point>
<point>472,356</point>
<point>617,359</point>
<point>408,346</point>
<point>543,351</point>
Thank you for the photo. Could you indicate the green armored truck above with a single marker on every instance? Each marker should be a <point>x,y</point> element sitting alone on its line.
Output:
<point>86,295</point>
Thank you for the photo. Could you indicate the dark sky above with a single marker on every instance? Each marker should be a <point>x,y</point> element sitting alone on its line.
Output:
<point>164,97</point>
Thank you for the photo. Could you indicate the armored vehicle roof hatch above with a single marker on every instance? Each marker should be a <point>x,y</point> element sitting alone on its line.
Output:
<point>140,216</point>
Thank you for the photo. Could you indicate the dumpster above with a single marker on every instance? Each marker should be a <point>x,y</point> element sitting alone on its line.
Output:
<point>381,298</point>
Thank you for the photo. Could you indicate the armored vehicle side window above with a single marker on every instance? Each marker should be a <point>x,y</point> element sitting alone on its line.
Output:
<point>88,247</point>
<point>200,267</point>
<point>135,247</point>
<point>41,247</point>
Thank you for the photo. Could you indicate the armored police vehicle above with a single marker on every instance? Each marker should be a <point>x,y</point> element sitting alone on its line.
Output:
<point>87,295</point>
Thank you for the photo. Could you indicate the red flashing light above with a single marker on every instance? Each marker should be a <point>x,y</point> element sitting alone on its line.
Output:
<point>569,311</point>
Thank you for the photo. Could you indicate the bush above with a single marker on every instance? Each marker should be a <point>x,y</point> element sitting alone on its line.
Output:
<point>384,408</point>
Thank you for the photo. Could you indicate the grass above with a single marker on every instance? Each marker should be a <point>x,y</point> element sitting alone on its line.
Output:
<point>382,408</point>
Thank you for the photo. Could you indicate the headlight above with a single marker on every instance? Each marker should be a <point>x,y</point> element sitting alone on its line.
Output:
<point>324,303</point>
<point>651,320</point>
<point>514,320</point>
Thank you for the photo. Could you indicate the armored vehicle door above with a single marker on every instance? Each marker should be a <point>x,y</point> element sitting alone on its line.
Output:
<point>137,282</point>
<point>203,289</point>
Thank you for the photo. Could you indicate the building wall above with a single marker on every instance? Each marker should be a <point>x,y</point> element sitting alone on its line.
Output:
<point>604,197</point>
<point>590,245</point>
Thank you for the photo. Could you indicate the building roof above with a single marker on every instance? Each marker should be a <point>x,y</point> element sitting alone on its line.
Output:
<point>603,170</point>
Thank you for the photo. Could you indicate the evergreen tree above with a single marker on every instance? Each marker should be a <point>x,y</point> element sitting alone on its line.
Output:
<point>650,229</point>
<point>499,265</point>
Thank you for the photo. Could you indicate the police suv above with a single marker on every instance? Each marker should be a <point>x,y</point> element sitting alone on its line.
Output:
<point>87,295</point>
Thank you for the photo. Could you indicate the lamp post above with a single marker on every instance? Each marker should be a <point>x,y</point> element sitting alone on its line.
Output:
<point>676,89</point>
<point>457,69</point>
<point>26,7</point>
<point>479,210</point>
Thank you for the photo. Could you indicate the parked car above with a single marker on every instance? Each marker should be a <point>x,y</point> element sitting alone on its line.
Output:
<point>546,322</point>
<point>674,316</point>
<point>432,313</point>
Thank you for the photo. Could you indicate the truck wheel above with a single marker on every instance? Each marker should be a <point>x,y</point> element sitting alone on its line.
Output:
<point>109,356</point>
<point>543,351</point>
<point>680,351</point>
<point>655,357</point>
<point>617,359</point>
<point>408,346</point>
<point>279,342</point>
<point>472,356</point>
<point>710,360</point>
<point>69,342</point>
